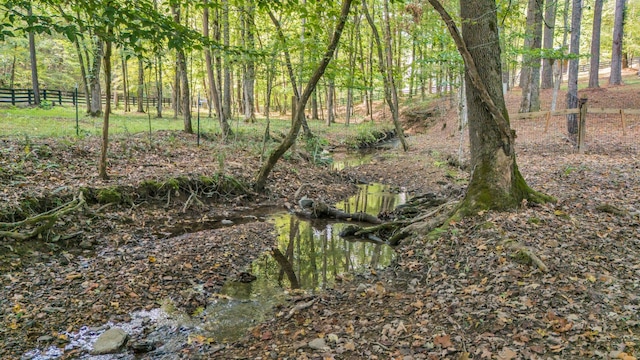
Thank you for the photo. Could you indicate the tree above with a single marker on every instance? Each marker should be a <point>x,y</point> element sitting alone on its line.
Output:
<point>140,92</point>
<point>34,62</point>
<point>594,67</point>
<point>249,74</point>
<point>547,43</point>
<point>181,69</point>
<point>496,182</point>
<point>572,81</point>
<point>289,140</point>
<point>214,95</point>
<point>530,79</point>
<point>386,69</point>
<point>615,78</point>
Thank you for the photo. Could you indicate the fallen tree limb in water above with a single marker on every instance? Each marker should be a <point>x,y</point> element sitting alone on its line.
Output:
<point>48,219</point>
<point>320,210</point>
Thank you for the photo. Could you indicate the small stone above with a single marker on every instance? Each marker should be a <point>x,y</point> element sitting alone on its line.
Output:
<point>362,287</point>
<point>110,341</point>
<point>318,344</point>
<point>143,346</point>
<point>226,222</point>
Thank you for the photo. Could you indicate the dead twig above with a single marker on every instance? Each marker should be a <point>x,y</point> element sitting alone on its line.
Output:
<point>299,307</point>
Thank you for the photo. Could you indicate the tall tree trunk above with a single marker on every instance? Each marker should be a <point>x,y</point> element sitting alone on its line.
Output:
<point>35,83</point>
<point>572,82</point>
<point>226,90</point>
<point>594,67</point>
<point>83,73</point>
<point>547,43</point>
<point>530,81</point>
<point>140,92</point>
<point>213,86</point>
<point>615,78</point>
<point>314,105</point>
<point>292,77</point>
<point>331,90</point>
<point>352,66</point>
<point>249,74</point>
<point>125,81</point>
<point>289,140</point>
<point>386,68</point>
<point>159,91</point>
<point>496,182</point>
<point>102,168</point>
<point>181,65</point>
<point>94,79</point>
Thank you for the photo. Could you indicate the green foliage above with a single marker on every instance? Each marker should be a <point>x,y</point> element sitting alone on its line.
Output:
<point>46,105</point>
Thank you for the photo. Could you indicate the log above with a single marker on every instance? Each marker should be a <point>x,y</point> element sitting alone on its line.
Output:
<point>320,210</point>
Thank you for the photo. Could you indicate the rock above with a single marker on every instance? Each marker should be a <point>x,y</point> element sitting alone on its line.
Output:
<point>226,222</point>
<point>44,338</point>
<point>333,338</point>
<point>362,287</point>
<point>110,341</point>
<point>317,344</point>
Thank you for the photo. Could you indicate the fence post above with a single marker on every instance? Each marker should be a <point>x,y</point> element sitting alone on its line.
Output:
<point>29,96</point>
<point>582,120</point>
<point>44,94</point>
<point>13,97</point>
<point>60,97</point>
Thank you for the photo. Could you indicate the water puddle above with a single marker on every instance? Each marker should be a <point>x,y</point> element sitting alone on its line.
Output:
<point>310,255</point>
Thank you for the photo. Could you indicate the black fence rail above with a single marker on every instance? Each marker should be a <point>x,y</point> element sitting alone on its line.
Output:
<point>59,97</point>
<point>27,96</point>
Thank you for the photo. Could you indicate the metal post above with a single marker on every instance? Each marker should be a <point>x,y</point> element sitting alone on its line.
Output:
<point>75,96</point>
<point>582,121</point>
<point>198,118</point>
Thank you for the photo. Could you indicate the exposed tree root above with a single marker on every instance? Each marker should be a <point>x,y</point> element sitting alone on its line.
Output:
<point>524,254</point>
<point>45,220</point>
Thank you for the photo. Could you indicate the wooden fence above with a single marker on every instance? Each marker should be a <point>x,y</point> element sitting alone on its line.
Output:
<point>59,97</point>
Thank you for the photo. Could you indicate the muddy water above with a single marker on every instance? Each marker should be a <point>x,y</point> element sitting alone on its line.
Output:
<point>312,257</point>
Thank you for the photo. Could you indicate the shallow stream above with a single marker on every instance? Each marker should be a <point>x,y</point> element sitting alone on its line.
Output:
<point>312,256</point>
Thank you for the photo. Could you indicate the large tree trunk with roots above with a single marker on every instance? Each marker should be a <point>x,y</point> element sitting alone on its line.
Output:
<point>496,182</point>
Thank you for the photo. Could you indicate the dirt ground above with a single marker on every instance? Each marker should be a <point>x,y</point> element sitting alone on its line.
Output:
<point>462,296</point>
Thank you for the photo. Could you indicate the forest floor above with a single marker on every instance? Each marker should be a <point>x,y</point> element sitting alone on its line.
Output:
<point>461,296</point>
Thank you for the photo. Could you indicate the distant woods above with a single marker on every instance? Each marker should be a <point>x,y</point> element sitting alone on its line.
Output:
<point>242,57</point>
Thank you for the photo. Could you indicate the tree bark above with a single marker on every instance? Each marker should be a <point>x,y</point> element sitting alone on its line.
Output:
<point>249,74</point>
<point>94,80</point>
<point>594,67</point>
<point>530,80</point>
<point>181,66</point>
<point>265,170</point>
<point>102,168</point>
<point>35,83</point>
<point>615,78</point>
<point>226,87</point>
<point>547,43</point>
<point>572,81</point>
<point>140,92</point>
<point>496,182</point>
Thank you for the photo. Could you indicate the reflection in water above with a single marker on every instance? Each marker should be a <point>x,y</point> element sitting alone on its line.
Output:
<point>311,253</point>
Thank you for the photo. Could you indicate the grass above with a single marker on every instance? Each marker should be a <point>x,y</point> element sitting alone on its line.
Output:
<point>60,121</point>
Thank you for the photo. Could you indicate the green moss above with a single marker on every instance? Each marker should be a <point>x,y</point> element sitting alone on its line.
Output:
<point>150,187</point>
<point>109,195</point>
<point>534,220</point>
<point>173,184</point>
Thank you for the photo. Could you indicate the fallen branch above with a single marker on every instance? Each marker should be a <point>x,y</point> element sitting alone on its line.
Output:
<point>319,209</point>
<point>48,219</point>
<point>298,308</point>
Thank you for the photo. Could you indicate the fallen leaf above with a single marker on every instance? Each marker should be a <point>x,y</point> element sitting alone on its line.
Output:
<point>443,340</point>
<point>507,354</point>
